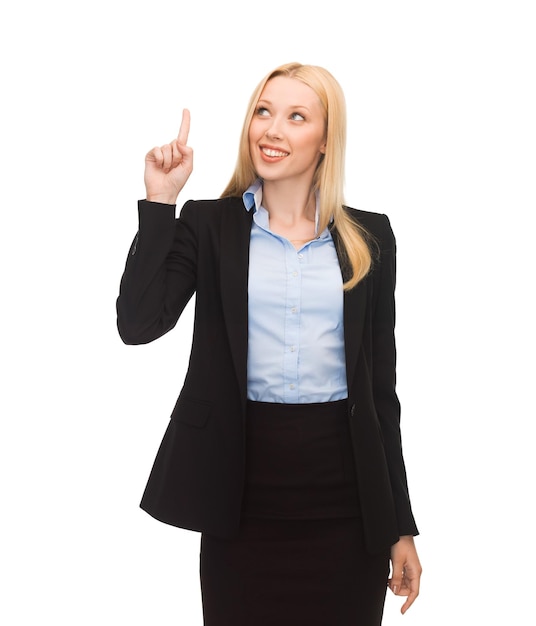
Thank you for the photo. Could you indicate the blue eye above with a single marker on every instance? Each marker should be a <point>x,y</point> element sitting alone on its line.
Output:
<point>262,111</point>
<point>297,117</point>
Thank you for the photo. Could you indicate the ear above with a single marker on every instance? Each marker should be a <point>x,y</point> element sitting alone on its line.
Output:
<point>323,148</point>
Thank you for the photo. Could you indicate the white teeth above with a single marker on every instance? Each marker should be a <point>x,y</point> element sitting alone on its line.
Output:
<point>274,153</point>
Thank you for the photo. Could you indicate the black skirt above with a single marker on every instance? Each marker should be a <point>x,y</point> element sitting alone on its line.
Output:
<point>300,558</point>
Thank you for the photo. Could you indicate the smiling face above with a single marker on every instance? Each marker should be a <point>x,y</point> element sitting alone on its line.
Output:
<point>287,134</point>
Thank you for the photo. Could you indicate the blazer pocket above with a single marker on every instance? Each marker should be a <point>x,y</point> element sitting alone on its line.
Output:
<point>192,412</point>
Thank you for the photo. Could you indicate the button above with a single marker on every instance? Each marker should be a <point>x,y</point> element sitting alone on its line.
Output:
<point>292,386</point>
<point>294,274</point>
<point>293,348</point>
<point>300,256</point>
<point>293,309</point>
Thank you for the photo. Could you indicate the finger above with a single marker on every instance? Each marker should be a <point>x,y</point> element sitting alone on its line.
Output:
<point>409,601</point>
<point>167,155</point>
<point>177,153</point>
<point>395,585</point>
<point>156,156</point>
<point>184,130</point>
<point>396,580</point>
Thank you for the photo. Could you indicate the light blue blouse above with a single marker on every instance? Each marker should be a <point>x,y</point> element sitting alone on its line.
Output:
<point>296,333</point>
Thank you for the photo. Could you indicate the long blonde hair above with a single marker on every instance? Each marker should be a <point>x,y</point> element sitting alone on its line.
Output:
<point>329,174</point>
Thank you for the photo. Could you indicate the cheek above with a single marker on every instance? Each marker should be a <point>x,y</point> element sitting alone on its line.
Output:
<point>319,142</point>
<point>311,144</point>
<point>253,132</point>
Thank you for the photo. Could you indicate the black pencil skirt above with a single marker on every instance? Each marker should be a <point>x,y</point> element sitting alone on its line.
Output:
<point>300,558</point>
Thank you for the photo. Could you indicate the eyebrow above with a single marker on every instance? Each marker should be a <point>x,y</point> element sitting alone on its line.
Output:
<point>292,106</point>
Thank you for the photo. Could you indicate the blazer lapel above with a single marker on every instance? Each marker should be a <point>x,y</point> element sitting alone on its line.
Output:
<point>234,265</point>
<point>355,303</point>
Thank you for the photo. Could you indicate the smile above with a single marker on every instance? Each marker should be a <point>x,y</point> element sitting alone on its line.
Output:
<point>274,153</point>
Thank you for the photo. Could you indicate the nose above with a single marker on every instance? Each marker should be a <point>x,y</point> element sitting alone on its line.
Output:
<point>274,131</point>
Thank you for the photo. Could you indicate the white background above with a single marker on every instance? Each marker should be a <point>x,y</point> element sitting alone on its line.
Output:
<point>441,99</point>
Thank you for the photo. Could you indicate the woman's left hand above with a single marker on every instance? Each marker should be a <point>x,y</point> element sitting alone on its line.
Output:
<point>405,571</point>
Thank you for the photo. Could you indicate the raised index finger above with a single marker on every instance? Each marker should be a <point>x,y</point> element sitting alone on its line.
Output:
<point>185,127</point>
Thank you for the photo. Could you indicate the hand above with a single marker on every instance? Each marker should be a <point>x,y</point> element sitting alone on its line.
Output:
<point>405,571</point>
<point>168,168</point>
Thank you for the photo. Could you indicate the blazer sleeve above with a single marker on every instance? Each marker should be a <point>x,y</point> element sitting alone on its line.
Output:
<point>160,272</point>
<point>384,378</point>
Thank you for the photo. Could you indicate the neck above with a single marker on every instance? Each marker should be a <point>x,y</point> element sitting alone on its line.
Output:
<point>288,202</point>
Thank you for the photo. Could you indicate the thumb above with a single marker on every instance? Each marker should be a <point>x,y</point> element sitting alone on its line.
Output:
<point>395,582</point>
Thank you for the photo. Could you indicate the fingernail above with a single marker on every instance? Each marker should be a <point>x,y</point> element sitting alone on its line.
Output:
<point>395,587</point>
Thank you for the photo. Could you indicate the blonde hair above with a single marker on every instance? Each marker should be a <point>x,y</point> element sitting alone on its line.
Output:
<point>329,174</point>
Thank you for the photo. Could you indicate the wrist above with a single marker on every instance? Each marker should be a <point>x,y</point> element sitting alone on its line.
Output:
<point>161,198</point>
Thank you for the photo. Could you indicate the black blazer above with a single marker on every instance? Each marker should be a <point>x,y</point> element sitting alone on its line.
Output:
<point>198,475</point>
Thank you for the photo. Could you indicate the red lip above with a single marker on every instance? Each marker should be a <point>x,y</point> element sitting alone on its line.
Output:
<point>272,158</point>
<point>267,146</point>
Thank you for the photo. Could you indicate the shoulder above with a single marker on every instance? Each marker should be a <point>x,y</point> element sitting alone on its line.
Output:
<point>377,225</point>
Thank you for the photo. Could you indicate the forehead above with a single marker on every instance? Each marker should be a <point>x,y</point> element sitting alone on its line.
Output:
<point>287,91</point>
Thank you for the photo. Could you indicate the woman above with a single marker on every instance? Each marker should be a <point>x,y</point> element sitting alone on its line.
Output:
<point>284,447</point>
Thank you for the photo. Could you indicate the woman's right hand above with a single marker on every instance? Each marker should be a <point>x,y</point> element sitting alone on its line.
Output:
<point>167,168</point>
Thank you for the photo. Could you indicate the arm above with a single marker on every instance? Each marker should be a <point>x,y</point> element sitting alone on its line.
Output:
<point>160,272</point>
<point>384,376</point>
<point>405,565</point>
